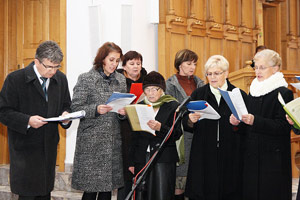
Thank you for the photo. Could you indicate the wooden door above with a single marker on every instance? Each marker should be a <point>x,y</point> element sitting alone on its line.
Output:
<point>27,23</point>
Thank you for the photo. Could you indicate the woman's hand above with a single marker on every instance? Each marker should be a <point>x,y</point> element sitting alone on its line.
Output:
<point>248,119</point>
<point>102,109</point>
<point>65,121</point>
<point>233,120</point>
<point>131,169</point>
<point>289,120</point>
<point>194,117</point>
<point>122,111</point>
<point>154,125</point>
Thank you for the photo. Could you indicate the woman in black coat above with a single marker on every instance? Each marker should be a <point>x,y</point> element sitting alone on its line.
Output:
<point>267,157</point>
<point>160,180</point>
<point>134,73</point>
<point>215,160</point>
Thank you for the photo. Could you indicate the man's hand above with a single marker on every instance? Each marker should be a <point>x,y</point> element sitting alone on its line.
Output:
<point>36,121</point>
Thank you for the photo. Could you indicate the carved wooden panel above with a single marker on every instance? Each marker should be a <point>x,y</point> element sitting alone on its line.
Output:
<point>199,9</point>
<point>215,46</point>
<point>180,7</point>
<point>248,14</point>
<point>217,11</point>
<point>232,54</point>
<point>293,55</point>
<point>198,46</point>
<point>232,12</point>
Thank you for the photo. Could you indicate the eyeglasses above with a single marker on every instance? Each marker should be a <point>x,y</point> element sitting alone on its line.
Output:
<point>50,67</point>
<point>262,68</point>
<point>154,90</point>
<point>215,74</point>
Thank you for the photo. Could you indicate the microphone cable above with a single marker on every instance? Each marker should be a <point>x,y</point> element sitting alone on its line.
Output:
<point>153,156</point>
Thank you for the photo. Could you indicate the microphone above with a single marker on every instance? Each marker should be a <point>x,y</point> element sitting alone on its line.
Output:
<point>185,101</point>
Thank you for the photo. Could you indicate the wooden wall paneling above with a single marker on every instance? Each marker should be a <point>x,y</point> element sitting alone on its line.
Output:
<point>34,29</point>
<point>181,7</point>
<point>163,11</point>
<point>232,54</point>
<point>248,17</point>
<point>217,10</point>
<point>162,50</point>
<point>292,59</point>
<point>200,9</point>
<point>259,32</point>
<point>272,26</point>
<point>11,36</point>
<point>232,12</point>
<point>247,53</point>
<point>177,42</point>
<point>292,17</point>
<point>284,32</point>
<point>4,158</point>
<point>54,21</point>
<point>215,46</point>
<point>62,30</point>
<point>198,46</point>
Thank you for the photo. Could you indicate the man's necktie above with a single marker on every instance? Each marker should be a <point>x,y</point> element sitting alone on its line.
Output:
<point>44,87</point>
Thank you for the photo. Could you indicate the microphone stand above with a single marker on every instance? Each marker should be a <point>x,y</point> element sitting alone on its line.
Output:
<point>180,115</point>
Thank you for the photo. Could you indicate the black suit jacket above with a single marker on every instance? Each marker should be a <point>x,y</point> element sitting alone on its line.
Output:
<point>32,151</point>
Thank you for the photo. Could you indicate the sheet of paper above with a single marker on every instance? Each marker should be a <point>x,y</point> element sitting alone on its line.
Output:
<point>70,116</point>
<point>296,85</point>
<point>145,113</point>
<point>120,103</point>
<point>204,108</point>
<point>238,102</point>
<point>117,95</point>
<point>235,102</point>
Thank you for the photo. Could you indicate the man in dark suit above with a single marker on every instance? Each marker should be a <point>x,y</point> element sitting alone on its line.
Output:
<point>29,96</point>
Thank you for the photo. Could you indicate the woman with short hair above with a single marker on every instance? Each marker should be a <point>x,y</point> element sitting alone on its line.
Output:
<point>97,168</point>
<point>181,85</point>
<point>215,160</point>
<point>267,157</point>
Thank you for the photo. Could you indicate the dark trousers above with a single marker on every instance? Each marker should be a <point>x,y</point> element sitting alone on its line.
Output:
<point>46,197</point>
<point>159,183</point>
<point>93,196</point>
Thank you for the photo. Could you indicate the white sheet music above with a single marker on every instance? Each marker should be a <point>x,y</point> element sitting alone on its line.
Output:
<point>145,113</point>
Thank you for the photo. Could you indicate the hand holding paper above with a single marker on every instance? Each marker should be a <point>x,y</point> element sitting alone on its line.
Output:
<point>235,102</point>
<point>203,107</point>
<point>292,109</point>
<point>119,100</point>
<point>70,116</point>
<point>139,115</point>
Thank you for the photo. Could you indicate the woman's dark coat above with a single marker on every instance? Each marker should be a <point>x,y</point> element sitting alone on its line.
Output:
<point>126,130</point>
<point>267,158</point>
<point>32,151</point>
<point>215,167</point>
<point>141,140</point>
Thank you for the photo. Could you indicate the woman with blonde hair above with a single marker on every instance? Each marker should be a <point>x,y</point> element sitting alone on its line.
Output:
<point>215,160</point>
<point>267,156</point>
